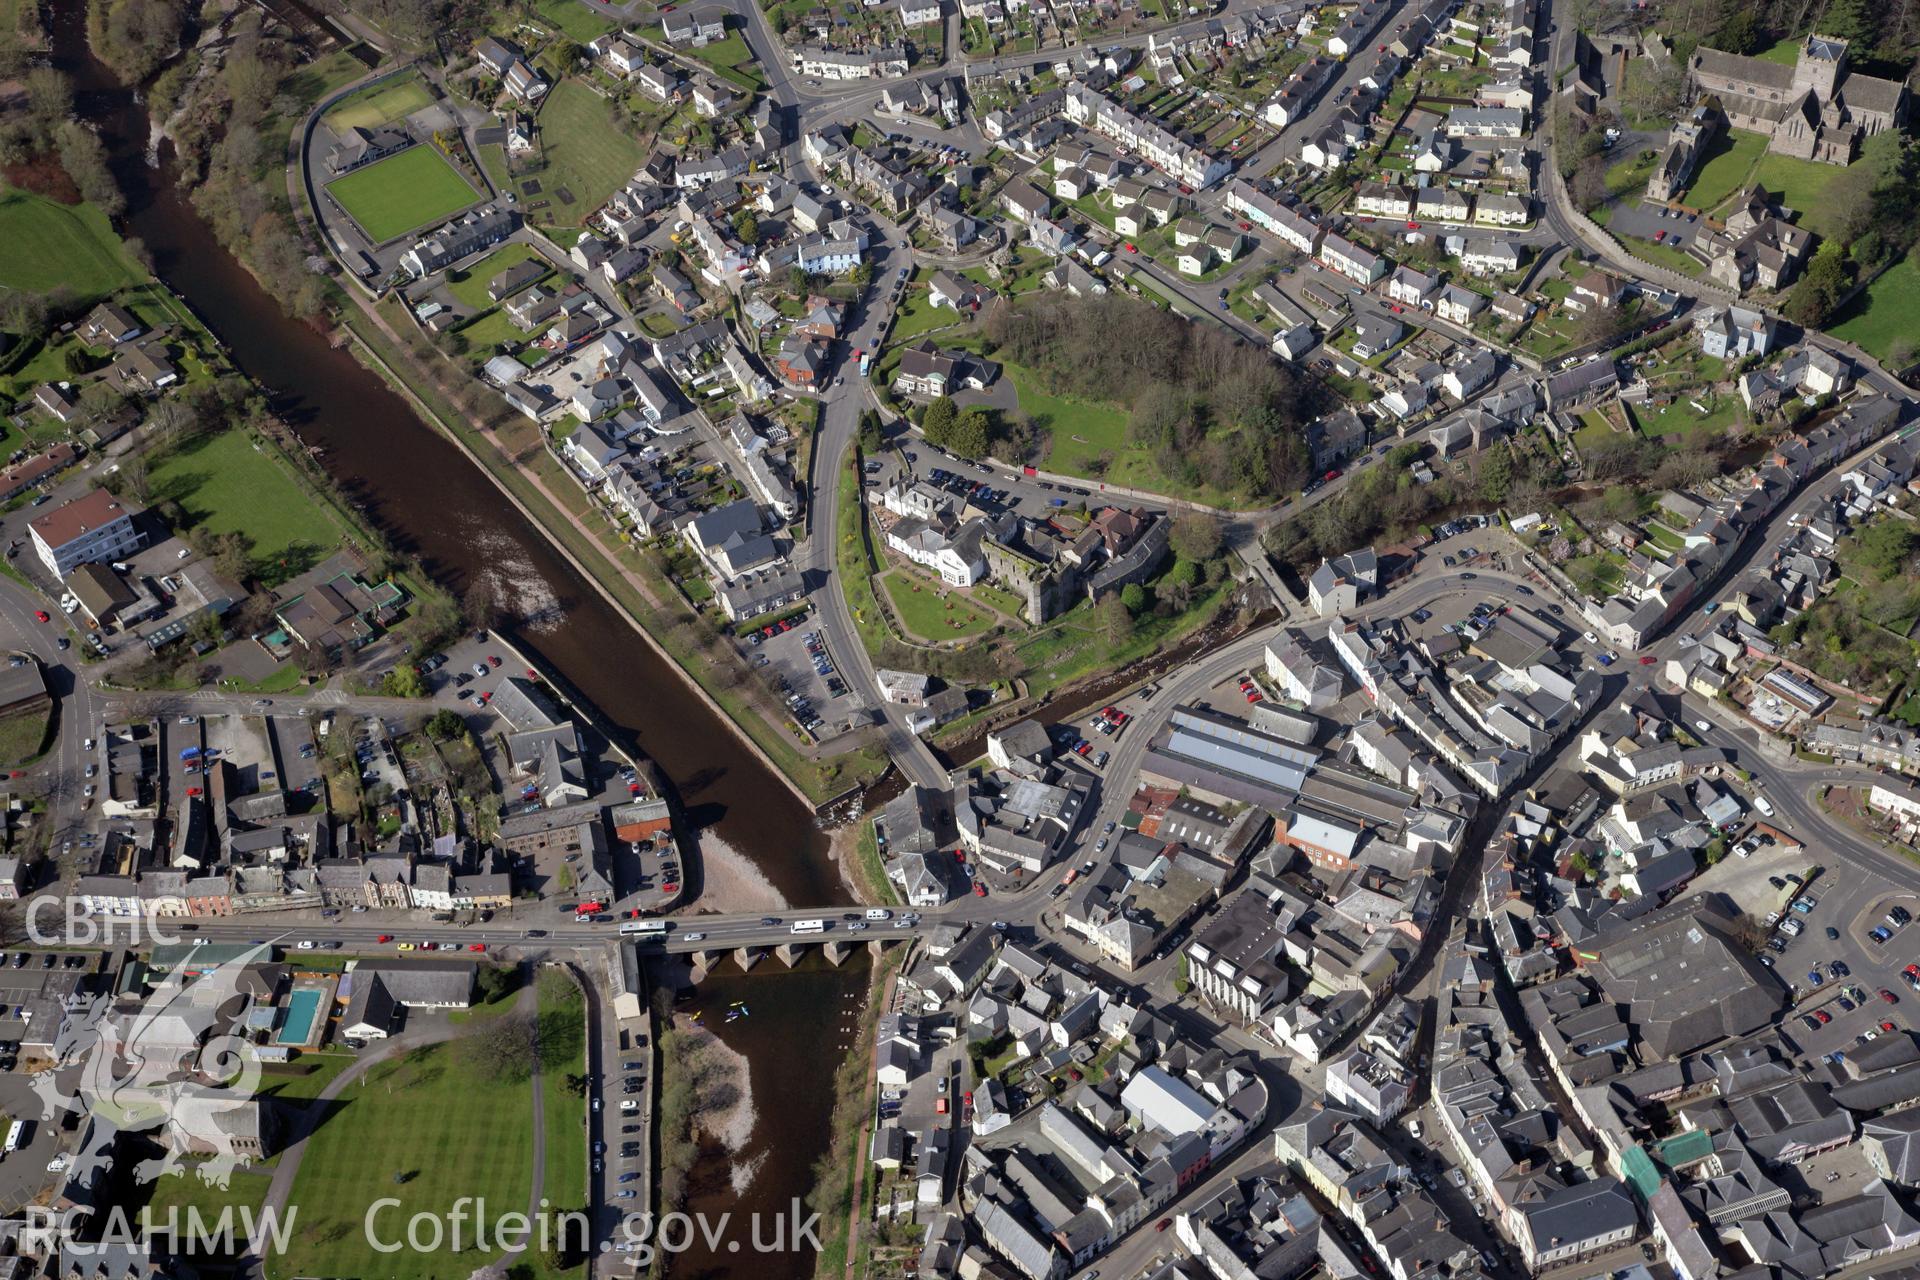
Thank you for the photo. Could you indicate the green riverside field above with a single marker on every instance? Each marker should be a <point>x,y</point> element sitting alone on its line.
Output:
<point>225,485</point>
<point>51,244</point>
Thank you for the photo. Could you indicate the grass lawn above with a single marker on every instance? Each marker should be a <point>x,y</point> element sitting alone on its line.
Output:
<point>1786,52</point>
<point>580,23</point>
<point>488,331</point>
<point>49,244</point>
<point>1680,419</point>
<point>1729,160</point>
<point>730,55</point>
<point>379,104</point>
<point>226,485</point>
<point>302,1089</point>
<point>1083,431</point>
<point>1663,255</point>
<point>587,156</point>
<point>393,196</point>
<point>22,735</point>
<point>1884,313</point>
<point>933,611</point>
<point>917,315</point>
<point>562,1046</point>
<point>424,1130</point>
<point>1801,185</point>
<point>470,286</point>
<point>246,1188</point>
<point>853,560</point>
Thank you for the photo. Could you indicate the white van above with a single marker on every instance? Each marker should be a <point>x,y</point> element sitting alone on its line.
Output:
<point>879,913</point>
<point>1764,805</point>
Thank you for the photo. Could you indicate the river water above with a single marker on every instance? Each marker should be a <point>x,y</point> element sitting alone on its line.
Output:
<point>432,503</point>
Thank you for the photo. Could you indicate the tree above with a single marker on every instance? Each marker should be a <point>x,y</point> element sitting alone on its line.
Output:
<point>1620,503</point>
<point>84,157</point>
<point>970,434</point>
<point>863,274</point>
<point>404,681</point>
<point>1195,536</point>
<point>1883,547</point>
<point>446,725</point>
<point>504,1046</point>
<point>479,605</point>
<point>24,314</point>
<point>1134,596</point>
<point>1496,473</point>
<point>798,282</point>
<point>746,227</point>
<point>1115,623</point>
<point>1655,93</point>
<point>870,435</point>
<point>1854,21</point>
<point>494,982</point>
<point>938,420</point>
<point>231,558</point>
<point>1813,299</point>
<point>1741,34</point>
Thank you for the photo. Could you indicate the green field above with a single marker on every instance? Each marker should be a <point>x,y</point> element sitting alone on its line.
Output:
<point>1884,314</point>
<point>391,197</point>
<point>580,23</point>
<point>732,59</point>
<point>932,610</point>
<point>470,285</point>
<point>425,1130</point>
<point>381,104</point>
<point>587,156</point>
<point>225,485</point>
<point>1729,160</point>
<point>563,1030</point>
<point>49,244</point>
<point>1800,185</point>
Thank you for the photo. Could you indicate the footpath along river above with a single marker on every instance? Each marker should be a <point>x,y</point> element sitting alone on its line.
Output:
<point>425,496</point>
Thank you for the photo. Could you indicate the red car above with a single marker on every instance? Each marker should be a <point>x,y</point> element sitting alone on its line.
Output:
<point>1163,1224</point>
<point>1245,226</point>
<point>1648,660</point>
<point>40,615</point>
<point>1888,996</point>
<point>1333,475</point>
<point>669,888</point>
<point>494,658</point>
<point>532,674</point>
<point>979,890</point>
<point>1888,1027</point>
<point>1413,226</point>
<point>959,855</point>
<point>1658,237</point>
<point>476,946</point>
<point>1912,971</point>
<point>385,937</point>
<point>1822,1017</point>
<point>1128,246</point>
<point>193,791</point>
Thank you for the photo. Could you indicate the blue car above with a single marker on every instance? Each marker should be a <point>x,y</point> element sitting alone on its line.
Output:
<point>1816,977</point>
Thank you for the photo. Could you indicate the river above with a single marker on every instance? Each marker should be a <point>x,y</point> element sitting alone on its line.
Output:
<point>434,504</point>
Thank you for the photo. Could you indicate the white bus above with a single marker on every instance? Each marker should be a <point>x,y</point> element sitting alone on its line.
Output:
<point>16,1135</point>
<point>647,928</point>
<point>809,926</point>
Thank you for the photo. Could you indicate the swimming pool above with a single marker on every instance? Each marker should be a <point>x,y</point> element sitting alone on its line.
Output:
<point>303,1005</point>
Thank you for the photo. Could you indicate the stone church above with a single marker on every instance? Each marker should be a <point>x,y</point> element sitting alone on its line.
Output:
<point>1817,109</point>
